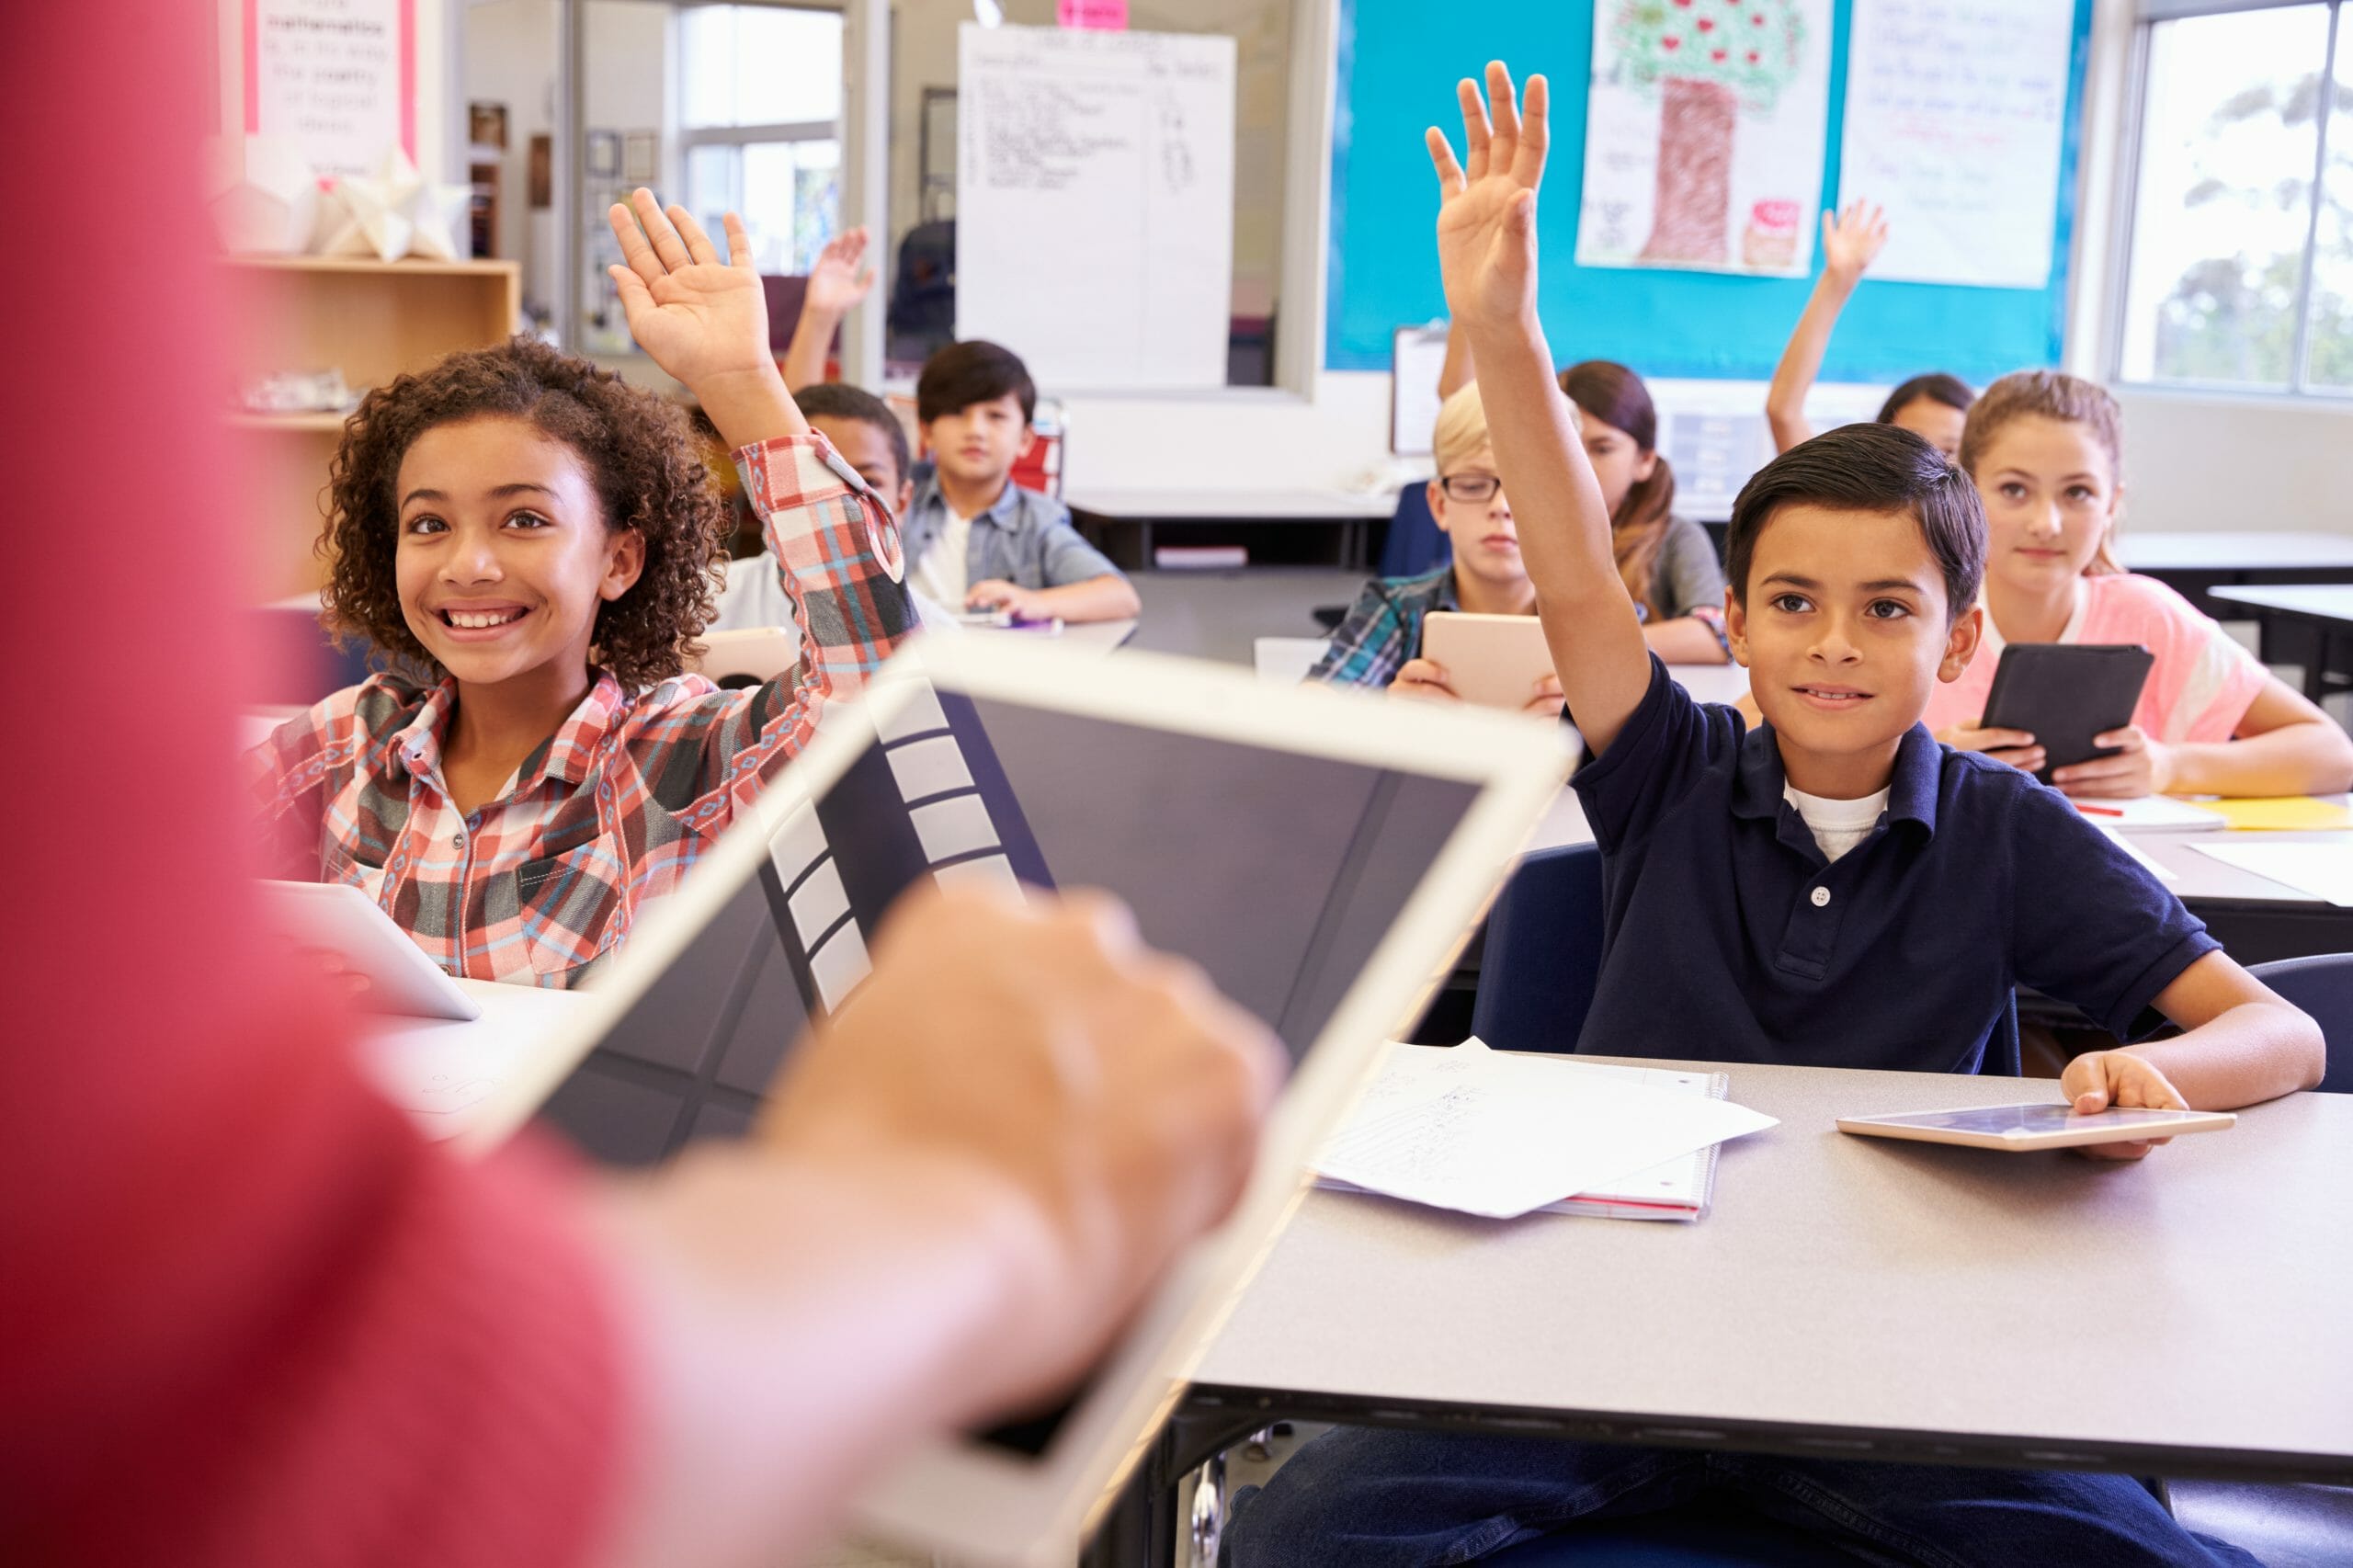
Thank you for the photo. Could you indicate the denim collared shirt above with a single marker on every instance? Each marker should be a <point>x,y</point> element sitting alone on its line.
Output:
<point>1025,539</point>
<point>1731,939</point>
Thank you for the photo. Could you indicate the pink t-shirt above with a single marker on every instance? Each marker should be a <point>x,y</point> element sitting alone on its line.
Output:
<point>2199,688</point>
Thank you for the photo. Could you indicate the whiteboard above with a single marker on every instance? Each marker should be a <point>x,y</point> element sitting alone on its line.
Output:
<point>1095,203</point>
<point>1955,112</point>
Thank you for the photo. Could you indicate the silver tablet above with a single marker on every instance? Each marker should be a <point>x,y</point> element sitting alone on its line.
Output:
<point>338,918</point>
<point>2045,1125</point>
<point>1323,856</point>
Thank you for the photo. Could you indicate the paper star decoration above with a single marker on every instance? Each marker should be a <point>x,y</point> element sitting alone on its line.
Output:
<point>395,212</point>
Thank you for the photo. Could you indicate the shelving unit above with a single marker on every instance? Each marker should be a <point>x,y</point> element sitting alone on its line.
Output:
<point>372,320</point>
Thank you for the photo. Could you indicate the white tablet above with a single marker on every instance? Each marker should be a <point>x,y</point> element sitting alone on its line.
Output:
<point>1491,660</point>
<point>340,919</point>
<point>1322,855</point>
<point>2016,1128</point>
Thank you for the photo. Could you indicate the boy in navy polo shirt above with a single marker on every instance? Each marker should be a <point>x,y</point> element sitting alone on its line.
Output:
<point>1833,888</point>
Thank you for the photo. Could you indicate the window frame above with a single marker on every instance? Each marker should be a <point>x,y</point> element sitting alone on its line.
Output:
<point>691,138</point>
<point>2134,131</point>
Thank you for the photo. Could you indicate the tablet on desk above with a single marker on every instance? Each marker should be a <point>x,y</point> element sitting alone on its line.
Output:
<point>338,918</point>
<point>1367,848</point>
<point>2063,694</point>
<point>1491,660</point>
<point>2014,1129</point>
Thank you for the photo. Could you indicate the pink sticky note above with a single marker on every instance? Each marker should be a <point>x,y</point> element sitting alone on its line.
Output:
<point>1105,15</point>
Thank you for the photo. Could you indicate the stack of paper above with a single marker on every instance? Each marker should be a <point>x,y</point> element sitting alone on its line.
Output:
<point>1497,1134</point>
<point>2282,813</point>
<point>2155,814</point>
<point>2325,870</point>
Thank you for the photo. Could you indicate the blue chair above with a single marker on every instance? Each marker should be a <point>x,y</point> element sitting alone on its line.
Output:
<point>2322,986</point>
<point>1543,953</point>
<point>1702,1535</point>
<point>1415,543</point>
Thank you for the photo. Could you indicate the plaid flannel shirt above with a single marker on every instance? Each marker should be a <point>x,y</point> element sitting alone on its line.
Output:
<point>542,883</point>
<point>1384,628</point>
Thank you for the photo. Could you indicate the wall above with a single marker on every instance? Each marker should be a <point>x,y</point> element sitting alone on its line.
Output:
<point>510,47</point>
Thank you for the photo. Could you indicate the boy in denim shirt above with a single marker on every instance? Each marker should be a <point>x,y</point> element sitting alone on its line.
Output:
<point>1832,888</point>
<point>976,539</point>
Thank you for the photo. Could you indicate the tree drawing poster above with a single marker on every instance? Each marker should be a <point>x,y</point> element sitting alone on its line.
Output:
<point>1704,134</point>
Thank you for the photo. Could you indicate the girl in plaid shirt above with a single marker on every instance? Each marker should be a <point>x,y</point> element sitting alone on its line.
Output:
<point>532,544</point>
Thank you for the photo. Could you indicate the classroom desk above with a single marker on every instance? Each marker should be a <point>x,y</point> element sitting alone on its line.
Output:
<point>1088,637</point>
<point>2255,918</point>
<point>2303,623</point>
<point>440,1070</point>
<point>1354,511</point>
<point>1845,1296</point>
<point>2194,565</point>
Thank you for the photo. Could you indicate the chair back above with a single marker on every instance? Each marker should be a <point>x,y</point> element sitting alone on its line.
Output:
<point>1542,956</point>
<point>2322,986</point>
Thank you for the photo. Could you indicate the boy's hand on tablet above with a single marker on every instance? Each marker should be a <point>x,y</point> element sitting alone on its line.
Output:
<point>1486,219</point>
<point>1100,1101</point>
<point>2141,766</point>
<point>1424,678</point>
<point>2104,1080</point>
<point>994,593</point>
<point>703,319</point>
<point>2013,746</point>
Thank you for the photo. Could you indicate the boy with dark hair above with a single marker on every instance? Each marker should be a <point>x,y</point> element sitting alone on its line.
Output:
<point>869,438</point>
<point>976,539</point>
<point>1832,888</point>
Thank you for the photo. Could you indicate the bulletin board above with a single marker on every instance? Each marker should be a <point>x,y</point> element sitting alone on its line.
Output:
<point>1398,62</point>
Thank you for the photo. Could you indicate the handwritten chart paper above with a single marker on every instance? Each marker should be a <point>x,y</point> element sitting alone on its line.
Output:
<point>338,76</point>
<point>1095,202</point>
<point>1704,134</point>
<point>1954,111</point>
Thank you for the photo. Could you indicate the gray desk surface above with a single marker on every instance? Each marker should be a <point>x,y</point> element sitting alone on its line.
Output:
<point>2327,601</point>
<point>2228,550</point>
<point>1898,1300</point>
<point>1093,636</point>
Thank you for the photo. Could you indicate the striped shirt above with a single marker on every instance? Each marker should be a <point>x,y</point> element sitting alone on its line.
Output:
<point>544,881</point>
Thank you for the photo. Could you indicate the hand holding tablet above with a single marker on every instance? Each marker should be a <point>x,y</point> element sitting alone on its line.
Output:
<point>2118,1107</point>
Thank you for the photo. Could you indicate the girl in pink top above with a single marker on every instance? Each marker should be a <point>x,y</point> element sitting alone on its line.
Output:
<point>2044,449</point>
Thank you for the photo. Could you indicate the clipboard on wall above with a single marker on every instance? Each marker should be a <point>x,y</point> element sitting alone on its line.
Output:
<point>1417,356</point>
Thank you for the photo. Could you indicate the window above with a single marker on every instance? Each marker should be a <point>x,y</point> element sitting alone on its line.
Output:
<point>759,109</point>
<point>2240,264</point>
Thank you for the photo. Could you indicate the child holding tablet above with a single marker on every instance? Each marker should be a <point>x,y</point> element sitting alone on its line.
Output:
<point>1930,406</point>
<point>540,539</point>
<point>1832,889</point>
<point>2045,450</point>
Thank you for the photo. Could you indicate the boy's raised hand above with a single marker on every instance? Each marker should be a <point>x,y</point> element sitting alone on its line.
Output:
<point>1486,219</point>
<point>703,320</point>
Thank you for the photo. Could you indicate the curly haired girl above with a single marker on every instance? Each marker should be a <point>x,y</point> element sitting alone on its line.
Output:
<point>533,546</point>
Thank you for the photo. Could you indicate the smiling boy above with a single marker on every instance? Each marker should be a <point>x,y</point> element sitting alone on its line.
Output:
<point>1832,888</point>
<point>976,539</point>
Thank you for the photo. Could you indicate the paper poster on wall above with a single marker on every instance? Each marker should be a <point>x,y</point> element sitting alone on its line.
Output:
<point>1095,202</point>
<point>1704,132</point>
<point>1954,120</point>
<point>339,76</point>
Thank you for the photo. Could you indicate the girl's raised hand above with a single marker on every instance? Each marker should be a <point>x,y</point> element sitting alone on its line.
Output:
<point>703,320</point>
<point>1852,240</point>
<point>1486,219</point>
<point>840,278</point>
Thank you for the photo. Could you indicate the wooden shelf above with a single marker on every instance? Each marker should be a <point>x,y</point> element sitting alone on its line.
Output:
<point>409,266</point>
<point>323,423</point>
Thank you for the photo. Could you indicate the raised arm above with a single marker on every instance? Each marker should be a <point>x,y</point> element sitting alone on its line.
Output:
<point>1486,243</point>
<point>1457,370</point>
<point>836,285</point>
<point>1849,240</point>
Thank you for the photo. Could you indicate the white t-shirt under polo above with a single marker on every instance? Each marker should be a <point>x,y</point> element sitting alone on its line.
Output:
<point>941,574</point>
<point>1837,825</point>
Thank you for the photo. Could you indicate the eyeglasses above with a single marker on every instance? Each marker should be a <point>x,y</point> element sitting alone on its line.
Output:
<point>1470,486</point>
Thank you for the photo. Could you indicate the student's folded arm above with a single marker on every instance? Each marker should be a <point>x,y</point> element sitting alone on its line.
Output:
<point>2240,1042</point>
<point>2284,745</point>
<point>1109,596</point>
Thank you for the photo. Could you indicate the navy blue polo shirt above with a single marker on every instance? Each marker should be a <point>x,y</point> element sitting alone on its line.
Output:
<point>1732,939</point>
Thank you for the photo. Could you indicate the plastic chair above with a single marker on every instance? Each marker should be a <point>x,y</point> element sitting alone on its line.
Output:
<point>1415,543</point>
<point>1543,953</point>
<point>2322,986</point>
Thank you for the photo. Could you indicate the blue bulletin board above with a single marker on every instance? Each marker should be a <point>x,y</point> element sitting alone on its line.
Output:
<point>1398,62</point>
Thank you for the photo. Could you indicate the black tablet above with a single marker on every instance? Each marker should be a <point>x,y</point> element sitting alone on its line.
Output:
<point>2063,694</point>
